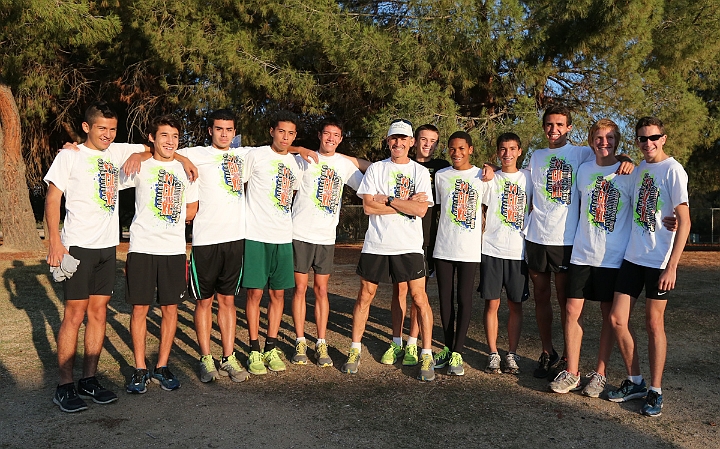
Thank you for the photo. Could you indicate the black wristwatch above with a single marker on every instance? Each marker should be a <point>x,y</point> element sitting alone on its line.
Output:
<point>389,200</point>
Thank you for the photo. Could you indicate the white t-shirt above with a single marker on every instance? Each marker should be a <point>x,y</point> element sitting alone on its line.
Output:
<point>316,209</point>
<point>508,200</point>
<point>605,215</point>
<point>397,233</point>
<point>459,234</point>
<point>221,192</point>
<point>556,206</point>
<point>89,179</point>
<point>659,189</point>
<point>162,190</point>
<point>271,180</point>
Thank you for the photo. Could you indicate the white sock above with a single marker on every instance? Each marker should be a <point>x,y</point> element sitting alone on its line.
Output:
<point>320,341</point>
<point>426,351</point>
<point>357,346</point>
<point>637,380</point>
<point>397,341</point>
<point>299,339</point>
<point>412,341</point>
<point>657,390</point>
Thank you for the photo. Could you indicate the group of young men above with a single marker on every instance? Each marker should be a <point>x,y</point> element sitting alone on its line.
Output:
<point>279,212</point>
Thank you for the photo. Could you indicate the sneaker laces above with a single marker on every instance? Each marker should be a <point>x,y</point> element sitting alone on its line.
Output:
<point>444,354</point>
<point>427,362</point>
<point>165,372</point>
<point>652,397</point>
<point>272,354</point>
<point>456,359</point>
<point>411,349</point>
<point>138,376</point>
<point>544,359</point>
<point>208,363</point>
<point>322,350</point>
<point>353,356</point>
<point>594,376</point>
<point>301,347</point>
<point>511,360</point>
<point>626,386</point>
<point>233,362</point>
<point>254,357</point>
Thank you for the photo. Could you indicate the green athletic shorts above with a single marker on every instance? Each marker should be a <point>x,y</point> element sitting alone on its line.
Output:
<point>268,264</point>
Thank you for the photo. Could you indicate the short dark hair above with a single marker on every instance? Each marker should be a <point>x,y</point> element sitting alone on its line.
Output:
<point>650,121</point>
<point>220,114</point>
<point>284,116</point>
<point>331,121</point>
<point>97,110</point>
<point>426,127</point>
<point>169,120</point>
<point>558,109</point>
<point>460,135</point>
<point>508,137</point>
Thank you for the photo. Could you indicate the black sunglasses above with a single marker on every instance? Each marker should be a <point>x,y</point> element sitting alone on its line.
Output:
<point>401,120</point>
<point>654,137</point>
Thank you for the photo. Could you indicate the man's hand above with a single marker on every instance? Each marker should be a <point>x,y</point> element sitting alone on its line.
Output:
<point>307,154</point>
<point>626,165</point>
<point>420,196</point>
<point>666,282</point>
<point>132,163</point>
<point>488,172</point>
<point>70,146</point>
<point>670,223</point>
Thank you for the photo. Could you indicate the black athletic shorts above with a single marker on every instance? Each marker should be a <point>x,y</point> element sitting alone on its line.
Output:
<point>592,283</point>
<point>378,269</point>
<point>310,255</point>
<point>146,273</point>
<point>633,278</point>
<point>496,273</point>
<point>95,274</point>
<point>216,269</point>
<point>547,258</point>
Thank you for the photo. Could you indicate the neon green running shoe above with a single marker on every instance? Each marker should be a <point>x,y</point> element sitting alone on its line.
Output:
<point>392,354</point>
<point>208,373</point>
<point>455,366</point>
<point>353,362</point>
<point>442,358</point>
<point>255,363</point>
<point>273,361</point>
<point>322,356</point>
<point>411,355</point>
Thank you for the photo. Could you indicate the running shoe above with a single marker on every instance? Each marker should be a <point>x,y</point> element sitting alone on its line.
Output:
<point>392,354</point>
<point>137,383</point>
<point>321,355</point>
<point>627,391</point>
<point>300,356</point>
<point>545,362</point>
<point>565,382</point>
<point>66,397</point>
<point>455,366</point>
<point>442,358</point>
<point>411,355</point>
<point>353,362</point>
<point>493,365</point>
<point>557,368</point>
<point>511,366</point>
<point>90,388</point>
<point>427,368</point>
<point>653,404</point>
<point>165,378</point>
<point>595,386</point>
<point>273,361</point>
<point>208,373</point>
<point>230,367</point>
<point>255,363</point>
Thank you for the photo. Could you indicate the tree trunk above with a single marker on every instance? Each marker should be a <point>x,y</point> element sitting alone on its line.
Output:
<point>17,221</point>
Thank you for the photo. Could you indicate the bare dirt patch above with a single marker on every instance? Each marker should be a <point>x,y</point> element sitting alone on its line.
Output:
<point>381,406</point>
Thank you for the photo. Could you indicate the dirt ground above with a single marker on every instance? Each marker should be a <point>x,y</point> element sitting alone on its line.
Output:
<point>381,406</point>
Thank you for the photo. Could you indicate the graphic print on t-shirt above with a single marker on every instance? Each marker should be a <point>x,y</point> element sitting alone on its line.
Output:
<point>512,205</point>
<point>404,189</point>
<point>648,203</point>
<point>283,193</point>
<point>108,179</point>
<point>329,188</point>
<point>168,199</point>
<point>558,184</point>
<point>232,166</point>
<point>604,204</point>
<point>464,204</point>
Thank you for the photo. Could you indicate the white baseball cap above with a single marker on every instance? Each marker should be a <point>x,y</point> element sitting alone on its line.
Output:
<point>400,127</point>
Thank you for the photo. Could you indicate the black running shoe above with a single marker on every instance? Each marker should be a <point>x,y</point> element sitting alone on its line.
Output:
<point>557,368</point>
<point>67,399</point>
<point>90,388</point>
<point>545,362</point>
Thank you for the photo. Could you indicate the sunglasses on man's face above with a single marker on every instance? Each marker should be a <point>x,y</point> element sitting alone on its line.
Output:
<point>654,137</point>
